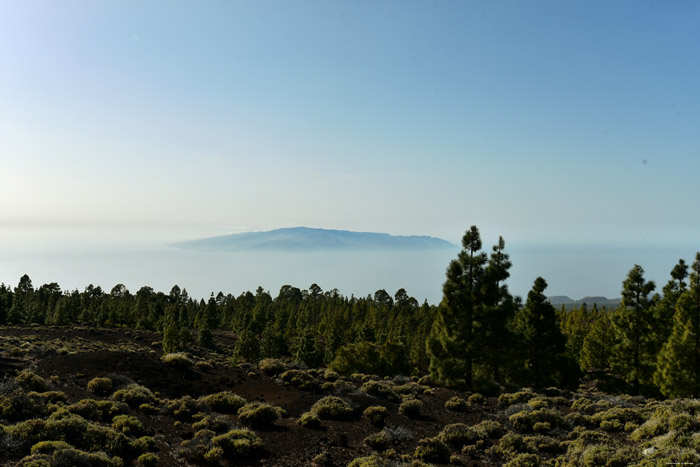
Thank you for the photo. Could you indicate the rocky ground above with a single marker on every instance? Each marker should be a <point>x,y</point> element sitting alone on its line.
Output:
<point>199,409</point>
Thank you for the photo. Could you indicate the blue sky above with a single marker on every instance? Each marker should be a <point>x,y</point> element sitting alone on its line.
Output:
<point>547,122</point>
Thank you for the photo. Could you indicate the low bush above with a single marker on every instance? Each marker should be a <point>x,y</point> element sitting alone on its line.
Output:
<point>223,402</point>
<point>178,360</point>
<point>457,404</point>
<point>519,397</point>
<point>134,395</point>
<point>309,420</point>
<point>376,414</point>
<point>215,423</point>
<point>100,386</point>
<point>184,408</point>
<point>128,425</point>
<point>98,411</point>
<point>432,450</point>
<point>271,366</point>
<point>259,414</point>
<point>243,443</point>
<point>147,459</point>
<point>411,408</point>
<point>332,408</point>
<point>369,461</point>
<point>379,441</point>
<point>31,382</point>
<point>47,447</point>
<point>381,389</point>
<point>525,421</point>
<point>459,434</point>
<point>300,379</point>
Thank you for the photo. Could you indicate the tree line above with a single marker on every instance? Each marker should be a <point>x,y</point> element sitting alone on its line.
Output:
<point>479,337</point>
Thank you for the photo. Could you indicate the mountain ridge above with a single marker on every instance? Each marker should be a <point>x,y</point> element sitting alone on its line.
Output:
<point>315,239</point>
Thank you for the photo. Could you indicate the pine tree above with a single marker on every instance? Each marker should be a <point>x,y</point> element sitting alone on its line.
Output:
<point>452,344</point>
<point>678,365</point>
<point>632,355</point>
<point>595,351</point>
<point>543,344</point>
<point>497,340</point>
<point>665,309</point>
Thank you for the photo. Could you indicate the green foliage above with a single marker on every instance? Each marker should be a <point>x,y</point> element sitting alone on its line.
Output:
<point>31,382</point>
<point>369,461</point>
<point>632,355</point>
<point>432,450</point>
<point>457,404</point>
<point>178,360</point>
<point>223,402</point>
<point>309,420</point>
<point>259,414</point>
<point>376,414</point>
<point>271,366</point>
<point>543,347</point>
<point>128,425</point>
<point>597,344</point>
<point>458,435</point>
<point>300,379</point>
<point>411,408</point>
<point>134,395</point>
<point>678,364</point>
<point>332,408</point>
<point>47,447</point>
<point>381,389</point>
<point>379,441</point>
<point>100,386</point>
<point>148,459</point>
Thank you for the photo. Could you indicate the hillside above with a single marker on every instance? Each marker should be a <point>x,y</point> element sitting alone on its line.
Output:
<point>568,302</point>
<point>189,409</point>
<point>305,238</point>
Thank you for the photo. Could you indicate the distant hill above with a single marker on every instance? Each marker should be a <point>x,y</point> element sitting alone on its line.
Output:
<point>568,302</point>
<point>306,239</point>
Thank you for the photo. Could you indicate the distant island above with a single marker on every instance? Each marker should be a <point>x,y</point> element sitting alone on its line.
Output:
<point>310,239</point>
<point>568,302</point>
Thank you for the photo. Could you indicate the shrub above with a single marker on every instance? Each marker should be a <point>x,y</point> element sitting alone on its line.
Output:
<point>52,397</point>
<point>147,459</point>
<point>98,411</point>
<point>379,441</point>
<point>100,386</point>
<point>223,402</point>
<point>457,404</point>
<point>215,423</point>
<point>77,458</point>
<point>492,428</point>
<point>242,443</point>
<point>148,409</point>
<point>516,397</point>
<point>309,420</point>
<point>178,360</point>
<point>134,395</point>
<point>300,379</point>
<point>476,399</point>
<point>332,408</point>
<point>184,408</point>
<point>30,381</point>
<point>380,389</point>
<point>432,450</point>
<point>47,447</point>
<point>376,414</point>
<point>271,366</point>
<point>370,461</point>
<point>259,414</point>
<point>143,444</point>
<point>128,425</point>
<point>459,434</point>
<point>524,460</point>
<point>510,446</point>
<point>524,421</point>
<point>361,357</point>
<point>411,408</point>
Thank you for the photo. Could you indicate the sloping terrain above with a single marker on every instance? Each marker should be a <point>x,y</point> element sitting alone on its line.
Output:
<point>85,396</point>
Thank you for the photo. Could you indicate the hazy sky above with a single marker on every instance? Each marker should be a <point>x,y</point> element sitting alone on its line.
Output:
<point>544,121</point>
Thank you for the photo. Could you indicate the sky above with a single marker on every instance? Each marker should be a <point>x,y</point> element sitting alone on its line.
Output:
<point>550,123</point>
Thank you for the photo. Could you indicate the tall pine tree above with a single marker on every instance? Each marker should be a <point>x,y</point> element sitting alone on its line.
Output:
<point>632,355</point>
<point>678,365</point>
<point>542,342</point>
